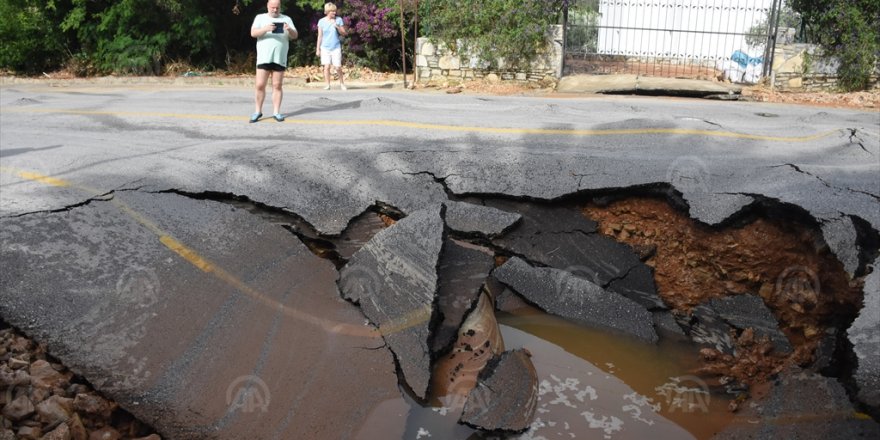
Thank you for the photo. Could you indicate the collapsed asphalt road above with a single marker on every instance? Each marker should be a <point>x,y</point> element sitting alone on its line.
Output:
<point>126,246</point>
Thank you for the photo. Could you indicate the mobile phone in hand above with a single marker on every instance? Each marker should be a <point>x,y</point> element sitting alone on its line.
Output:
<point>279,28</point>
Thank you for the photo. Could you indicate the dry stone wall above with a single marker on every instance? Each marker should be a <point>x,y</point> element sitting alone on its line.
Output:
<point>436,61</point>
<point>802,68</point>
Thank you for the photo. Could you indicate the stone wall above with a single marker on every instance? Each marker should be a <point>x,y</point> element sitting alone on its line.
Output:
<point>819,74</point>
<point>435,61</point>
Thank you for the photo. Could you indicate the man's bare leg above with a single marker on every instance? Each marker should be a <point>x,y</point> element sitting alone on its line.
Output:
<point>260,91</point>
<point>277,93</point>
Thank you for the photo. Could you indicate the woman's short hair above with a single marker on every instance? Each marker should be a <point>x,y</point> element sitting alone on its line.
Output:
<point>329,7</point>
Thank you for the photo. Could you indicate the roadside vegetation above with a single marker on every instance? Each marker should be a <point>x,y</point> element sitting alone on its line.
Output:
<point>150,37</point>
<point>845,29</point>
<point>157,37</point>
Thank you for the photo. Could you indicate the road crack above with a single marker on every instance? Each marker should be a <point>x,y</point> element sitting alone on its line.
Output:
<point>798,169</point>
<point>106,197</point>
<point>855,139</point>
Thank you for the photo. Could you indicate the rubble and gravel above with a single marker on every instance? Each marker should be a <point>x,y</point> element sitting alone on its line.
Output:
<point>42,399</point>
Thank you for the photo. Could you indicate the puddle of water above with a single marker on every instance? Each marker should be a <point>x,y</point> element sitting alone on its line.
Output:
<point>592,385</point>
<point>649,378</point>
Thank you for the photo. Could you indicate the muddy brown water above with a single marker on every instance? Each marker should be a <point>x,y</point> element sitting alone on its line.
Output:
<point>592,385</point>
<point>648,378</point>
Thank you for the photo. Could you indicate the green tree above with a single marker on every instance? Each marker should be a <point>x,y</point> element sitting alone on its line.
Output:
<point>788,18</point>
<point>138,36</point>
<point>514,31</point>
<point>31,40</point>
<point>847,29</point>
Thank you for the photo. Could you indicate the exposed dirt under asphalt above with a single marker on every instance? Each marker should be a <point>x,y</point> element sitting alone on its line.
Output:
<point>784,262</point>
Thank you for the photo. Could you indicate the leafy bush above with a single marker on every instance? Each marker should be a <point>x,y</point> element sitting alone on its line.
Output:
<point>138,36</point>
<point>372,31</point>
<point>514,31</point>
<point>146,36</point>
<point>31,41</point>
<point>582,34</point>
<point>848,30</point>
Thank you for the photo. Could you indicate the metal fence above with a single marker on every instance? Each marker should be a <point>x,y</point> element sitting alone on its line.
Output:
<point>730,39</point>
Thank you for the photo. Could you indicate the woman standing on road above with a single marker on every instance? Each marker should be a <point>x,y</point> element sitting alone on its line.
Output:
<point>329,48</point>
<point>273,32</point>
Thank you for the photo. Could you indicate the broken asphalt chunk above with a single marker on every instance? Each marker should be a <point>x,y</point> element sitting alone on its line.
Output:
<point>561,237</point>
<point>562,294</point>
<point>801,405</point>
<point>704,326</point>
<point>864,334</point>
<point>505,300</point>
<point>506,394</point>
<point>394,279</point>
<point>665,320</point>
<point>205,330</point>
<point>749,311</point>
<point>842,238</point>
<point>713,208</point>
<point>711,323</point>
<point>468,218</point>
<point>540,219</point>
<point>462,271</point>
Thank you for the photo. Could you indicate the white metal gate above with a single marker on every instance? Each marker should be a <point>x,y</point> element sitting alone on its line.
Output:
<point>679,38</point>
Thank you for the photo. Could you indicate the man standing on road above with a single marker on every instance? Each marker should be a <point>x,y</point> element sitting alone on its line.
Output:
<point>273,32</point>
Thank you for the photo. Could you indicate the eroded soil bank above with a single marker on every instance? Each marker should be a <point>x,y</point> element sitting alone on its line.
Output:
<point>784,261</point>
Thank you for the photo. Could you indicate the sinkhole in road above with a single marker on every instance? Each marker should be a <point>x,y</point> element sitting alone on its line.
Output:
<point>738,304</point>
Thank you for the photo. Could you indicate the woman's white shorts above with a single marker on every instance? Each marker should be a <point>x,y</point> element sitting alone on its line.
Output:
<point>331,56</point>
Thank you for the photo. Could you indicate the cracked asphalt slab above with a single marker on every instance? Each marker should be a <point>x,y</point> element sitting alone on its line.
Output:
<point>69,157</point>
<point>186,338</point>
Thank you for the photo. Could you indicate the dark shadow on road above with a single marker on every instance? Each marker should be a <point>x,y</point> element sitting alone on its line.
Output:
<point>329,108</point>
<point>13,151</point>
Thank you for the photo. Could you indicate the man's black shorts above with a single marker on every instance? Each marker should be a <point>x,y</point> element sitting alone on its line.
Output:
<point>275,67</point>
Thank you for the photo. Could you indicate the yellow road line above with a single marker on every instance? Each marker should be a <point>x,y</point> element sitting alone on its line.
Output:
<point>206,266</point>
<point>28,175</point>
<point>452,128</point>
<point>203,264</point>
